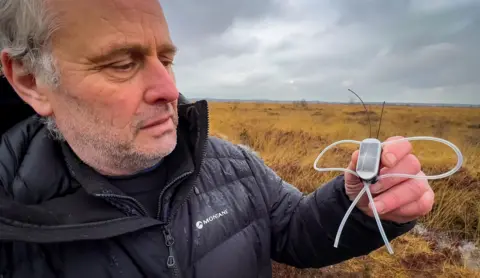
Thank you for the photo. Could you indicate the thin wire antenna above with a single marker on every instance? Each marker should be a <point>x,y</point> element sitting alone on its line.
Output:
<point>366,110</point>
<point>380,124</point>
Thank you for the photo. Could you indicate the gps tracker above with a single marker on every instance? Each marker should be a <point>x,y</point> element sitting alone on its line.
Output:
<point>368,163</point>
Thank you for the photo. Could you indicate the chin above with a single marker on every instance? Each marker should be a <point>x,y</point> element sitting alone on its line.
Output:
<point>161,146</point>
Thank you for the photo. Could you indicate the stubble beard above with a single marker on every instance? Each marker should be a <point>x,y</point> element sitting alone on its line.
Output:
<point>96,145</point>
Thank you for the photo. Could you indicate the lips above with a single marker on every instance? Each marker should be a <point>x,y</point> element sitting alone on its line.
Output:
<point>156,122</point>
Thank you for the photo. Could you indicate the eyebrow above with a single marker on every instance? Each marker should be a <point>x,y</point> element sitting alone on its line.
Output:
<point>115,49</point>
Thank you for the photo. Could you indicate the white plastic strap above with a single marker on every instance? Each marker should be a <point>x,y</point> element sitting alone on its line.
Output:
<point>366,187</point>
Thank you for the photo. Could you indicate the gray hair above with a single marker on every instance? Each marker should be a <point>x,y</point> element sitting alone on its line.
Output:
<point>26,28</point>
<point>52,128</point>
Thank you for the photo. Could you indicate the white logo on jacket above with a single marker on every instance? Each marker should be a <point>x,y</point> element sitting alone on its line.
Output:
<point>202,223</point>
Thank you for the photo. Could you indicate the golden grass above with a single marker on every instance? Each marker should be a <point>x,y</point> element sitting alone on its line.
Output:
<point>290,136</point>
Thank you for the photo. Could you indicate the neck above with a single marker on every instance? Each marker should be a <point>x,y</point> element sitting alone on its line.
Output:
<point>111,164</point>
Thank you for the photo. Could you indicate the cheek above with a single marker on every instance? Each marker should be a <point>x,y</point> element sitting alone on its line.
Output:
<point>121,102</point>
<point>114,104</point>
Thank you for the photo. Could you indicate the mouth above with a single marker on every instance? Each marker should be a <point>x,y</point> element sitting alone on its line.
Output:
<point>156,122</point>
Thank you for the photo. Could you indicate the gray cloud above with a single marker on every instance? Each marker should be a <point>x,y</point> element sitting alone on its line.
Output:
<point>416,50</point>
<point>436,65</point>
<point>192,20</point>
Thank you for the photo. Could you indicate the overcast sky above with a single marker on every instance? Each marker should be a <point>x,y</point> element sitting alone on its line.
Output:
<point>397,51</point>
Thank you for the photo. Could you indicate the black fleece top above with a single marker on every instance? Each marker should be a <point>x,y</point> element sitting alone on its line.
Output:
<point>144,186</point>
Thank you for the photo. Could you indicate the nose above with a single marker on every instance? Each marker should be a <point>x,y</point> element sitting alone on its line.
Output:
<point>161,83</point>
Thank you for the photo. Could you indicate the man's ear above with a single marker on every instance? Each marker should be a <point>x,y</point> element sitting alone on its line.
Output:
<point>25,85</point>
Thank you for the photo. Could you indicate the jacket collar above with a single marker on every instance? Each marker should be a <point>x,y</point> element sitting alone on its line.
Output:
<point>180,161</point>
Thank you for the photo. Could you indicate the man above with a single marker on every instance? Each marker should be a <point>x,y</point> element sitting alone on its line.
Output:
<point>113,177</point>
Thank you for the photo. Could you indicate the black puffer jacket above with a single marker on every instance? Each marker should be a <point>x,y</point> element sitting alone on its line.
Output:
<point>223,214</point>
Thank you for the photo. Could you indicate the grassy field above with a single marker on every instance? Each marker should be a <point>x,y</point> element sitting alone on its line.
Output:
<point>290,136</point>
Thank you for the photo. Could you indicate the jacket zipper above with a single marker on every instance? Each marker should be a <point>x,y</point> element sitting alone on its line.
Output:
<point>204,152</point>
<point>169,239</point>
<point>171,262</point>
<point>142,209</point>
<point>165,189</point>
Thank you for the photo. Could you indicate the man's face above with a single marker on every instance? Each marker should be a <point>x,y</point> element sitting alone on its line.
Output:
<point>117,93</point>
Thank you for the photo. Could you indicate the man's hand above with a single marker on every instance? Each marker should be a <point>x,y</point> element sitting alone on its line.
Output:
<point>397,199</point>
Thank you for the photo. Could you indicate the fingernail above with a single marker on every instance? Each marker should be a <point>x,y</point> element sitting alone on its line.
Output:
<point>376,187</point>
<point>380,206</point>
<point>391,158</point>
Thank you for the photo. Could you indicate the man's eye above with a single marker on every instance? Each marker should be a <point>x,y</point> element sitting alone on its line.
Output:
<point>124,67</point>
<point>167,63</point>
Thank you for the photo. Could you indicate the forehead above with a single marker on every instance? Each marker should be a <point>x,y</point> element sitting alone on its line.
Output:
<point>87,26</point>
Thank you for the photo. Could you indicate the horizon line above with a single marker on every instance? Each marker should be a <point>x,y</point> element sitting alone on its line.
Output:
<point>335,102</point>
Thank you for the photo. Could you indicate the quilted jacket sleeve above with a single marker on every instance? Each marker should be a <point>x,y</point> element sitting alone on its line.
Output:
<point>5,251</point>
<point>303,227</point>
<point>5,262</point>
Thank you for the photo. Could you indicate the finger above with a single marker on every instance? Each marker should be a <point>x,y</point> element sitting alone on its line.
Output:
<point>351,179</point>
<point>353,183</point>
<point>354,160</point>
<point>392,153</point>
<point>409,165</point>
<point>397,219</point>
<point>400,195</point>
<point>415,209</point>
